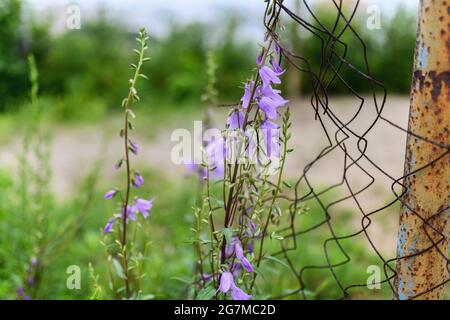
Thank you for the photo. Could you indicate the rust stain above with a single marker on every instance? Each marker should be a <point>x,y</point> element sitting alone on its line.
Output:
<point>423,243</point>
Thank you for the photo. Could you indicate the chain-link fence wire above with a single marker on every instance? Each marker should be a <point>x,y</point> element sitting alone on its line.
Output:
<point>354,148</point>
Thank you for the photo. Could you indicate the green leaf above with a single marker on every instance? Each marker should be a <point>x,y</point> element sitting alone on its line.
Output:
<point>287,184</point>
<point>118,269</point>
<point>206,293</point>
<point>284,264</point>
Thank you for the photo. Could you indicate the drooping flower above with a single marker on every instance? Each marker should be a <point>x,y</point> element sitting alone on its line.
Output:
<point>143,206</point>
<point>236,120</point>
<point>107,229</point>
<point>269,107</point>
<point>138,180</point>
<point>240,255</point>
<point>238,294</point>
<point>110,194</point>
<point>247,94</point>
<point>269,92</point>
<point>134,147</point>
<point>226,281</point>
<point>276,67</point>
<point>269,76</point>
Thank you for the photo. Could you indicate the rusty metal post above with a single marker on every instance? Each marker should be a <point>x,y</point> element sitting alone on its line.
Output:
<point>428,190</point>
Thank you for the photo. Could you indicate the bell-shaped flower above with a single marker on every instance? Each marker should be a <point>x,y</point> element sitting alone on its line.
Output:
<point>238,294</point>
<point>143,206</point>
<point>240,255</point>
<point>269,76</point>
<point>226,281</point>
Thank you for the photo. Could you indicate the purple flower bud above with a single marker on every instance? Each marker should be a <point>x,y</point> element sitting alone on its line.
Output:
<point>277,48</point>
<point>27,297</point>
<point>251,227</point>
<point>20,291</point>
<point>30,281</point>
<point>276,67</point>
<point>259,59</point>
<point>110,194</point>
<point>144,206</point>
<point>251,246</point>
<point>118,164</point>
<point>226,282</point>
<point>34,261</point>
<point>134,147</point>
<point>138,180</point>
<point>247,94</point>
<point>109,226</point>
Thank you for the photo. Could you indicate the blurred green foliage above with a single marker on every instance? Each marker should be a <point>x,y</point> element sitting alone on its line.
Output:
<point>81,66</point>
<point>389,51</point>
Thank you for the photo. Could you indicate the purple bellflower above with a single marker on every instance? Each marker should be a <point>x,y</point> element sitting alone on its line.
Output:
<point>269,76</point>
<point>143,206</point>
<point>227,283</point>
<point>240,255</point>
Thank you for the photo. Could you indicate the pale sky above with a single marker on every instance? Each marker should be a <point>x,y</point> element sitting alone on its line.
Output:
<point>155,14</point>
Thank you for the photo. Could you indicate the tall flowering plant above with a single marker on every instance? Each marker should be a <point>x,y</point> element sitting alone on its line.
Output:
<point>130,208</point>
<point>248,161</point>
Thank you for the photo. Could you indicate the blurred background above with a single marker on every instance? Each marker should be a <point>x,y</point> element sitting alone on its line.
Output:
<point>83,77</point>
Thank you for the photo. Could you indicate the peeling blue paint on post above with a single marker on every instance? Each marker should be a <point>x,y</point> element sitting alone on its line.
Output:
<point>422,57</point>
